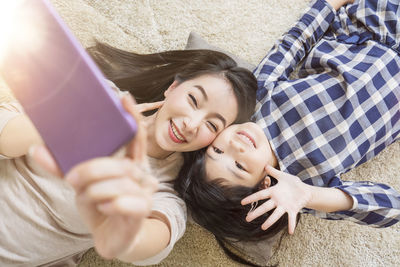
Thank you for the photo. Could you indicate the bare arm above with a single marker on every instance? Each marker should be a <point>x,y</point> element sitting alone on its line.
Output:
<point>114,196</point>
<point>152,238</point>
<point>328,199</point>
<point>290,195</point>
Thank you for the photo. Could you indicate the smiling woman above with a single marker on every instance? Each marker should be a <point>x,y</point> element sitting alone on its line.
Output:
<point>192,82</point>
<point>191,117</point>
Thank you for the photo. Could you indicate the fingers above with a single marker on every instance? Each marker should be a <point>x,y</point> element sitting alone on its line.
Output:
<point>137,149</point>
<point>119,196</point>
<point>292,223</point>
<point>130,106</point>
<point>126,206</point>
<point>262,194</point>
<point>108,168</point>
<point>264,208</point>
<point>273,172</point>
<point>278,212</point>
<point>129,103</point>
<point>149,106</point>
<point>108,189</point>
<point>43,157</point>
<point>97,169</point>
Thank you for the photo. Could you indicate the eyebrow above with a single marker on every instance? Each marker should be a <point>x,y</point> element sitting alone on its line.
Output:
<point>231,170</point>
<point>205,96</point>
<point>203,92</point>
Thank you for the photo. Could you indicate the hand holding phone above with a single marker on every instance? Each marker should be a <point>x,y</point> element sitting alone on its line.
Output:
<point>136,148</point>
<point>113,194</point>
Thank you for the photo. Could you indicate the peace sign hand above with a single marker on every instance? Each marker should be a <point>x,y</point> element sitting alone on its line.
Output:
<point>137,149</point>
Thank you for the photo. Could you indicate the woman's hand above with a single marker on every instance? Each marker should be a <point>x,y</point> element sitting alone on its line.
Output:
<point>137,149</point>
<point>289,196</point>
<point>113,195</point>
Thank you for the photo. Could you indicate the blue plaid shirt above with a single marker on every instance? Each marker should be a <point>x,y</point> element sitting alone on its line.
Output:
<point>343,108</point>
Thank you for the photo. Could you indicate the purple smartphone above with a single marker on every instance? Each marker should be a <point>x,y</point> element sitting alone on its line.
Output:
<point>61,89</point>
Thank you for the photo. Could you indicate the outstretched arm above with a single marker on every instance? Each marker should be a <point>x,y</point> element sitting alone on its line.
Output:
<point>294,45</point>
<point>374,204</point>
<point>290,195</point>
<point>114,198</point>
<point>364,203</point>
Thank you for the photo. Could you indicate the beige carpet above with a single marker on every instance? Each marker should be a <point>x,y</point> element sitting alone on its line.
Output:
<point>247,28</point>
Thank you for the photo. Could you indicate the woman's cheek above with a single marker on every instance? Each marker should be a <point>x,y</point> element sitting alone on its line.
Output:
<point>206,138</point>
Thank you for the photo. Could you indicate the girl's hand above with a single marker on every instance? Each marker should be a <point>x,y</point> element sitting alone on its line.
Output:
<point>113,195</point>
<point>289,195</point>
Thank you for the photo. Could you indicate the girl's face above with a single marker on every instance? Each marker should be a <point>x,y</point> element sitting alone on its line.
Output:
<point>239,155</point>
<point>194,112</point>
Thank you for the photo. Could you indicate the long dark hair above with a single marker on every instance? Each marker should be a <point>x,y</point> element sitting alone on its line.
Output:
<point>216,206</point>
<point>147,76</point>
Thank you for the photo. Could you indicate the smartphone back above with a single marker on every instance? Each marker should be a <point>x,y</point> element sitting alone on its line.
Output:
<point>61,89</point>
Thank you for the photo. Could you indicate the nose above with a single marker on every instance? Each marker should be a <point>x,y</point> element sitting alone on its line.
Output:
<point>191,125</point>
<point>236,146</point>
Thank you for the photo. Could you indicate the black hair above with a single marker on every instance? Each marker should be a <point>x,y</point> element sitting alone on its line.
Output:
<point>147,76</point>
<point>216,206</point>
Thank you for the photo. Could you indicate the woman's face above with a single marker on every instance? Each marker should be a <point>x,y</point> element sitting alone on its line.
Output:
<point>239,155</point>
<point>194,112</point>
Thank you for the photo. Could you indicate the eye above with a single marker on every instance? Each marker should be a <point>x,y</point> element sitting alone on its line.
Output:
<point>193,99</point>
<point>239,166</point>
<point>213,126</point>
<point>217,150</point>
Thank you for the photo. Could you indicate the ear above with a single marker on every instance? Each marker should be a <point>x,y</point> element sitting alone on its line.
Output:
<point>266,182</point>
<point>171,87</point>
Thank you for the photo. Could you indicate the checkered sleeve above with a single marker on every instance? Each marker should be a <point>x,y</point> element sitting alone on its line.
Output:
<point>293,46</point>
<point>375,204</point>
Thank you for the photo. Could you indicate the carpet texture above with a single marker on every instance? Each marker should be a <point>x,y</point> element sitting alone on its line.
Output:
<point>247,28</point>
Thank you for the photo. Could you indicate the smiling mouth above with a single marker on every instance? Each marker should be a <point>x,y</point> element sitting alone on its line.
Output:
<point>174,133</point>
<point>247,138</point>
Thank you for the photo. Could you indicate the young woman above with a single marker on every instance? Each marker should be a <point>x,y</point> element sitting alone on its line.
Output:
<point>119,213</point>
<point>342,111</point>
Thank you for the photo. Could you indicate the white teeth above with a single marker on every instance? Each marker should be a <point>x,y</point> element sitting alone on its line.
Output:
<point>247,139</point>
<point>177,135</point>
